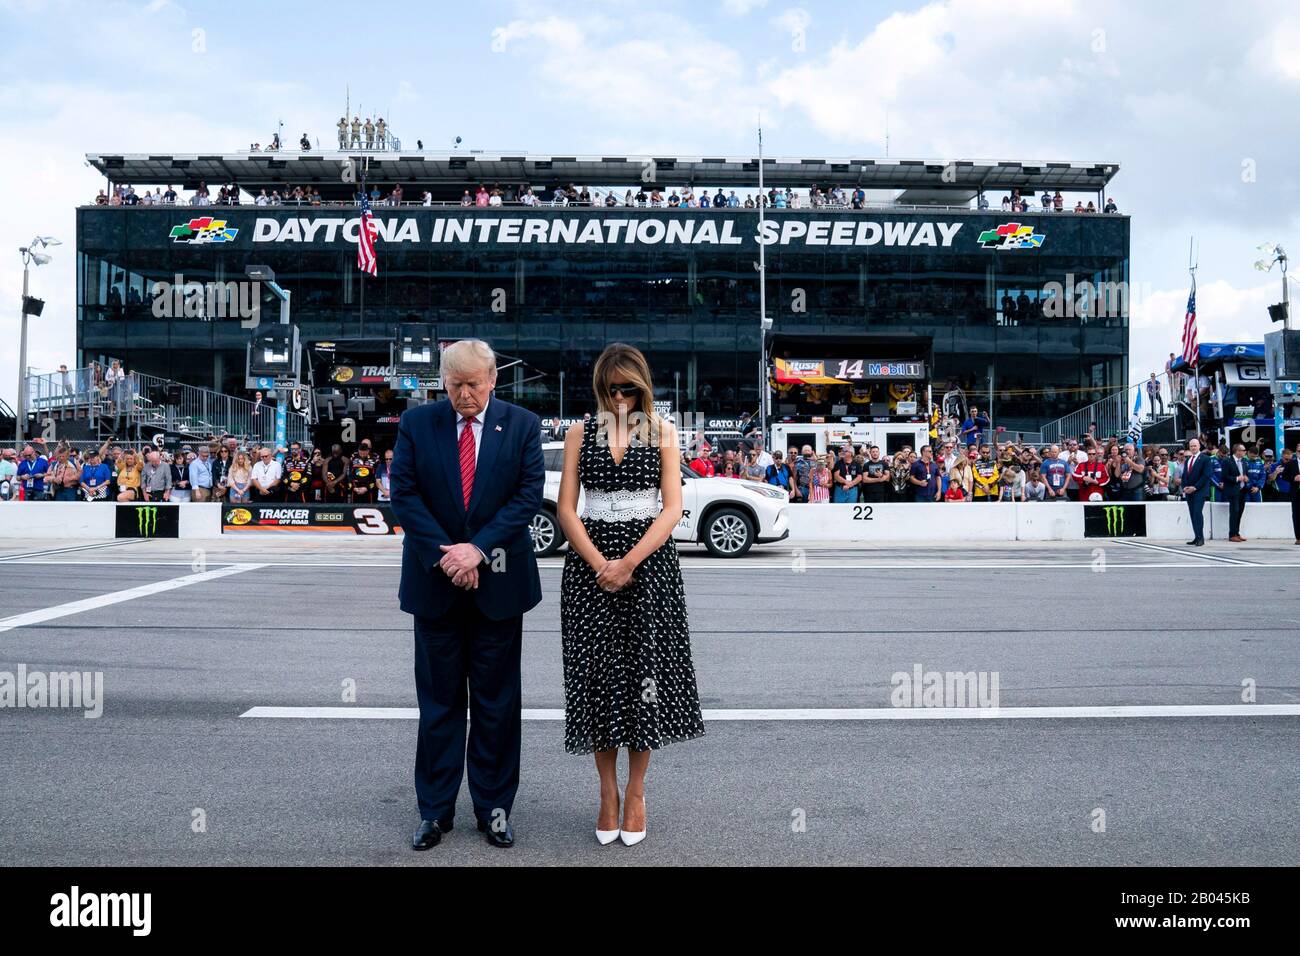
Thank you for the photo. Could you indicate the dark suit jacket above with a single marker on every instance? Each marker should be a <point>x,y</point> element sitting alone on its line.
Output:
<point>429,504</point>
<point>1231,487</point>
<point>1198,476</point>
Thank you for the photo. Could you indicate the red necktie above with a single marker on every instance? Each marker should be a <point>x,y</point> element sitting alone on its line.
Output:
<point>467,459</point>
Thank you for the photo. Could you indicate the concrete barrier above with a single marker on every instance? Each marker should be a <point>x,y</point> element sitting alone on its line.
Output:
<point>901,522</point>
<point>56,519</point>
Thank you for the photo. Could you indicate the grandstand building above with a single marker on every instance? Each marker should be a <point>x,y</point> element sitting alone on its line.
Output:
<point>904,249</point>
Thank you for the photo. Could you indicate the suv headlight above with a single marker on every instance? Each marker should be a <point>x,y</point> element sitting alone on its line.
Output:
<point>769,491</point>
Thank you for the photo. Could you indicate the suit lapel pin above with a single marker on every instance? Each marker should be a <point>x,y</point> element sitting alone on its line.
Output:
<point>498,428</point>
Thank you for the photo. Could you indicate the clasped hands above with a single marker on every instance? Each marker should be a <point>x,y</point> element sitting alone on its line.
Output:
<point>614,575</point>
<point>460,563</point>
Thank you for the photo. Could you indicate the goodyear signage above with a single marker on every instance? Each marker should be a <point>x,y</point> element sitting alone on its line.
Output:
<point>1115,521</point>
<point>147,521</point>
<point>346,519</point>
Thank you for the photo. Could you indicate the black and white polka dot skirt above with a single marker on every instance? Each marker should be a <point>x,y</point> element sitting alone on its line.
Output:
<point>628,676</point>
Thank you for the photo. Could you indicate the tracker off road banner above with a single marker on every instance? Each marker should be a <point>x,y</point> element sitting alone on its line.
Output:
<point>344,519</point>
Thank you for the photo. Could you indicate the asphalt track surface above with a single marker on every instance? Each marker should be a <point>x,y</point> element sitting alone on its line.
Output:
<point>1121,671</point>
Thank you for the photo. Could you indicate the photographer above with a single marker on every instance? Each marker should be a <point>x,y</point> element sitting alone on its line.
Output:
<point>1132,474</point>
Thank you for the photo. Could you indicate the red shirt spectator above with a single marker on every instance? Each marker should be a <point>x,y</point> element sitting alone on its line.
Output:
<point>1090,477</point>
<point>702,467</point>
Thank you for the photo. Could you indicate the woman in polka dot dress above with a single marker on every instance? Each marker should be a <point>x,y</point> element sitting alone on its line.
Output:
<point>628,676</point>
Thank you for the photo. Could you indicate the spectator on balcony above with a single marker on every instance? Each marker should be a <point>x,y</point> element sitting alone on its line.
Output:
<point>381,132</point>
<point>343,132</point>
<point>1006,203</point>
<point>1047,201</point>
<point>304,144</point>
<point>1110,206</point>
<point>1153,395</point>
<point>156,478</point>
<point>355,139</point>
<point>101,199</point>
<point>1058,202</point>
<point>262,199</point>
<point>426,198</point>
<point>1078,206</point>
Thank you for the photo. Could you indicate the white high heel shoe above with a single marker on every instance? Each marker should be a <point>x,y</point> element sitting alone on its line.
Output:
<point>633,837</point>
<point>606,837</point>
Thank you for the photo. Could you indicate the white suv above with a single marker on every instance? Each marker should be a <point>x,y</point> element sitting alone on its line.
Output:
<point>726,515</point>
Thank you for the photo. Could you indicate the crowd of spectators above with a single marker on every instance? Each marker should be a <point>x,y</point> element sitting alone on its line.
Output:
<point>686,197</point>
<point>222,469</point>
<point>970,469</point>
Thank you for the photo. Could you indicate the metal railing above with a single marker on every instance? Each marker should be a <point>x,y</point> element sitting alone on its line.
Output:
<point>137,405</point>
<point>548,203</point>
<point>1111,415</point>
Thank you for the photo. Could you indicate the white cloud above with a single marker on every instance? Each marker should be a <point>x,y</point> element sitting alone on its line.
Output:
<point>739,8</point>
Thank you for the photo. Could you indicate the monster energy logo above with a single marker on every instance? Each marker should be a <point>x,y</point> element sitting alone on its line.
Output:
<point>146,521</point>
<point>1114,519</point>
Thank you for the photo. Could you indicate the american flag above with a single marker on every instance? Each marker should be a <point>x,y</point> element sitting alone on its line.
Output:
<point>1189,330</point>
<point>366,259</point>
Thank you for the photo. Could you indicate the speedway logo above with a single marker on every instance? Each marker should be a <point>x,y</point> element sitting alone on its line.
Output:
<point>204,229</point>
<point>1011,235</point>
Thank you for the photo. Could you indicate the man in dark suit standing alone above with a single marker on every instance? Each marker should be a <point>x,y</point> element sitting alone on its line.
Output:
<point>466,480</point>
<point>1235,480</point>
<point>1196,487</point>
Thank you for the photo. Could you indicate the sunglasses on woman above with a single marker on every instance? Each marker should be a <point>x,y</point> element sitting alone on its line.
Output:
<point>626,389</point>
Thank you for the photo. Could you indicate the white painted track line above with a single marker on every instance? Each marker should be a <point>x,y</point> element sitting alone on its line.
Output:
<point>834,714</point>
<point>117,597</point>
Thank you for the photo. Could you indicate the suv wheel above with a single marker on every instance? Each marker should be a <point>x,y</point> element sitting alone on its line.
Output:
<point>546,534</point>
<point>728,533</point>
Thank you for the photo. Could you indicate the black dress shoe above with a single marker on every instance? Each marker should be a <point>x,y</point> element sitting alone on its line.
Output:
<point>428,834</point>
<point>1193,541</point>
<point>501,838</point>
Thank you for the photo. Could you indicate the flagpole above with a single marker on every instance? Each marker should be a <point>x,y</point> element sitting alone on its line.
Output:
<point>1196,386</point>
<point>365,165</point>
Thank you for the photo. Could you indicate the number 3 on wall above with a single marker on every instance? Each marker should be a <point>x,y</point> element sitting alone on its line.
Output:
<point>370,521</point>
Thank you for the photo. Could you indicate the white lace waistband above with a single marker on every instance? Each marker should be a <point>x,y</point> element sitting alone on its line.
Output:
<point>621,505</point>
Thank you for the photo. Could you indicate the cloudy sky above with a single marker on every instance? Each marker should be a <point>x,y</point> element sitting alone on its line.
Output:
<point>1196,101</point>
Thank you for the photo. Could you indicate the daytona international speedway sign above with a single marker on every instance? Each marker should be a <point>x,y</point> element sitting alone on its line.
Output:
<point>607,230</point>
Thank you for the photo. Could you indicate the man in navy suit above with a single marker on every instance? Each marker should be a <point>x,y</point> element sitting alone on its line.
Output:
<point>1235,481</point>
<point>1196,487</point>
<point>466,482</point>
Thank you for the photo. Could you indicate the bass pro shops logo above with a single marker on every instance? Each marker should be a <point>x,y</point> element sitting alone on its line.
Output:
<point>1011,235</point>
<point>204,229</point>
